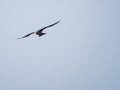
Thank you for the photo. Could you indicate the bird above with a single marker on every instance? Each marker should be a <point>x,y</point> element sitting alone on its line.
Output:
<point>40,31</point>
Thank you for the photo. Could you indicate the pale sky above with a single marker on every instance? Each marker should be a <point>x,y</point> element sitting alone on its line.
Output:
<point>82,52</point>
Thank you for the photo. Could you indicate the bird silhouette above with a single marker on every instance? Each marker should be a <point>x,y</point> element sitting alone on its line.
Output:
<point>40,31</point>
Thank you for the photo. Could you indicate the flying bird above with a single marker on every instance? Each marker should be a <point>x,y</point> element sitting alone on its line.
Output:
<point>40,31</point>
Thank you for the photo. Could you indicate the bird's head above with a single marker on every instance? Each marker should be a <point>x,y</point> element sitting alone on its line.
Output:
<point>44,33</point>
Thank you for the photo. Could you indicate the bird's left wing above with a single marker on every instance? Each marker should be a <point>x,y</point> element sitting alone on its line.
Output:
<point>27,35</point>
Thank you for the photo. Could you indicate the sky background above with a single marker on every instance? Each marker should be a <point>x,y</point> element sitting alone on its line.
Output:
<point>82,52</point>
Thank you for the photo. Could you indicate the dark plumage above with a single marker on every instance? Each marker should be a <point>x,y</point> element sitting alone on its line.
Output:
<point>40,31</point>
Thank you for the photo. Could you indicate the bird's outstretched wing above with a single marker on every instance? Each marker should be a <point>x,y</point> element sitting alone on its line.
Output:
<point>27,35</point>
<point>48,26</point>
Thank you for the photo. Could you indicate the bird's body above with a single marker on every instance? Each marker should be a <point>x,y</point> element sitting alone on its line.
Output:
<point>40,31</point>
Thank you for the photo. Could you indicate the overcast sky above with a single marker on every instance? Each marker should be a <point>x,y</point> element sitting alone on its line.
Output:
<point>82,52</point>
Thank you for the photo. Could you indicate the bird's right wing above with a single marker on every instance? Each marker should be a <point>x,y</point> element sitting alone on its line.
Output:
<point>49,26</point>
<point>27,35</point>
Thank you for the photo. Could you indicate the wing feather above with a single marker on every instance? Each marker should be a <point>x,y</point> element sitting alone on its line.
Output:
<point>27,35</point>
<point>48,26</point>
